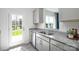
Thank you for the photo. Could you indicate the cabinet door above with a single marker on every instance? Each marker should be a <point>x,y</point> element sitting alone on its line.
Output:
<point>44,46</point>
<point>38,43</point>
<point>54,48</point>
<point>63,46</point>
<point>36,16</point>
<point>41,15</point>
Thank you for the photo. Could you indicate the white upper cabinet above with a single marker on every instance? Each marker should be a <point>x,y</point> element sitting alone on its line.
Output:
<point>69,14</point>
<point>38,15</point>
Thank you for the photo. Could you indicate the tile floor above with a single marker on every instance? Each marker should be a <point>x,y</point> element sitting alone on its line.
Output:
<point>25,47</point>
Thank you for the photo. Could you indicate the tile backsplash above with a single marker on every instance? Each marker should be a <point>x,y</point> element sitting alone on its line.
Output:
<point>64,26</point>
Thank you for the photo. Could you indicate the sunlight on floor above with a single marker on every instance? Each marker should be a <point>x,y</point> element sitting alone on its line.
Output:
<point>15,40</point>
<point>25,47</point>
<point>16,49</point>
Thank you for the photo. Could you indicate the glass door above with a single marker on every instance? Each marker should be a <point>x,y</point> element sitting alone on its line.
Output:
<point>16,30</point>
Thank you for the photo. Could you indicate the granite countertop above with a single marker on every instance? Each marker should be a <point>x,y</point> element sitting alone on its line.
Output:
<point>39,30</point>
<point>35,29</point>
<point>59,36</point>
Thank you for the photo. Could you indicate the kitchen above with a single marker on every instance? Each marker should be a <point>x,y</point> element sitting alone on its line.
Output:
<point>45,29</point>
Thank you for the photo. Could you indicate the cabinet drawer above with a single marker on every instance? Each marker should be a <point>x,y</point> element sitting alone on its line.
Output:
<point>42,37</point>
<point>63,46</point>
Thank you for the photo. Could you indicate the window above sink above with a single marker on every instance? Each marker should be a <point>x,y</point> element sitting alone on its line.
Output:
<point>52,21</point>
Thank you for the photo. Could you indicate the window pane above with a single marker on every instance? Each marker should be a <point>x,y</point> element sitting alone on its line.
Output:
<point>47,19</point>
<point>51,21</point>
<point>13,17</point>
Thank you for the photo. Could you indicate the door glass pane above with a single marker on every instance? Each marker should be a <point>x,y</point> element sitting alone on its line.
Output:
<point>16,29</point>
<point>16,25</point>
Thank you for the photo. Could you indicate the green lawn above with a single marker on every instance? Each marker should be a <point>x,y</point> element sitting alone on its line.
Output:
<point>17,32</point>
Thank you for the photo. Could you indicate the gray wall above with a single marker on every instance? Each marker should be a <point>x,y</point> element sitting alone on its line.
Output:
<point>28,23</point>
<point>68,14</point>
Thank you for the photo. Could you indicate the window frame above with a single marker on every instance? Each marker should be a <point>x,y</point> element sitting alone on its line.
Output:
<point>56,15</point>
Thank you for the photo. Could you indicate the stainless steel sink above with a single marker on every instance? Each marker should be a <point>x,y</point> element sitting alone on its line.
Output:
<point>47,33</point>
<point>43,32</point>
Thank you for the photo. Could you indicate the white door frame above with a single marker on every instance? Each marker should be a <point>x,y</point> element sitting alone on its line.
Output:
<point>10,29</point>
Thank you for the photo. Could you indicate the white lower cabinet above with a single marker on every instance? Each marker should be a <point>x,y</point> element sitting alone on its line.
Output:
<point>54,48</point>
<point>42,45</point>
<point>46,44</point>
<point>62,46</point>
<point>38,44</point>
<point>68,48</point>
